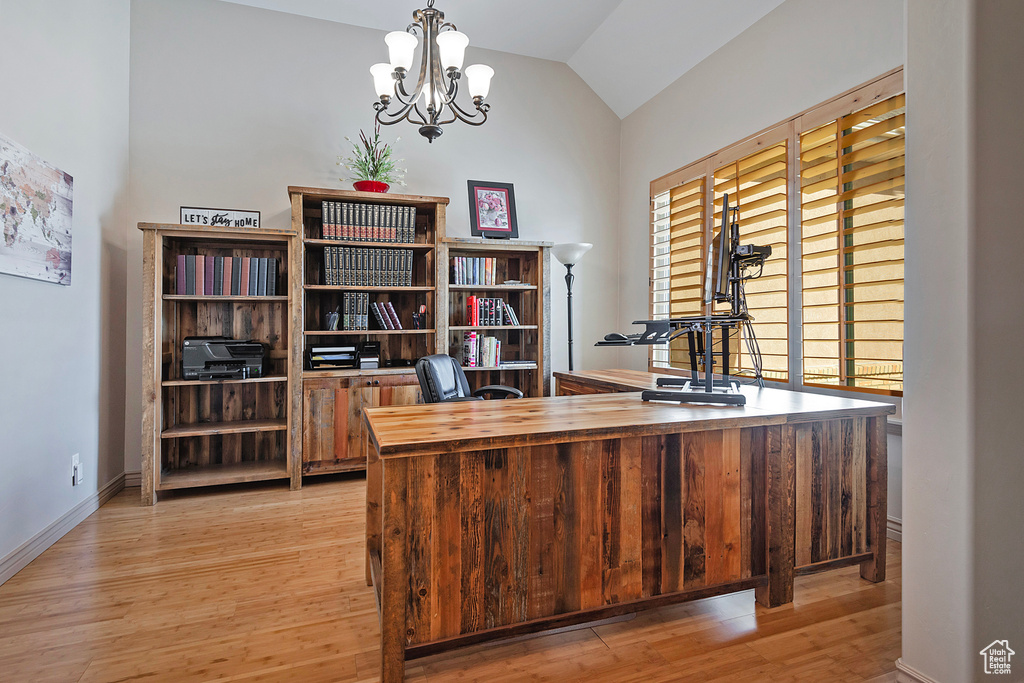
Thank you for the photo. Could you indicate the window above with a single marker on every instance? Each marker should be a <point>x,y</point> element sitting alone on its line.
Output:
<point>757,184</point>
<point>831,183</point>
<point>852,240</point>
<point>678,249</point>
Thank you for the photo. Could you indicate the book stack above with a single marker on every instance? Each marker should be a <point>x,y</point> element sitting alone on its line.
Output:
<point>489,312</point>
<point>387,318</point>
<point>368,222</point>
<point>480,352</point>
<point>473,270</point>
<point>198,274</point>
<point>364,267</point>
<point>355,308</point>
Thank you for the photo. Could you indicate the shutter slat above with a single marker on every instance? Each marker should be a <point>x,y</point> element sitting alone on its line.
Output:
<point>853,324</point>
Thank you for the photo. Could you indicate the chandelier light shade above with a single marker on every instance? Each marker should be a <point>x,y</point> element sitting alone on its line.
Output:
<point>432,103</point>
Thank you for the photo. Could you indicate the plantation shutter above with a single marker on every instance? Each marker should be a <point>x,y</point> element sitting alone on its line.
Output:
<point>852,191</point>
<point>678,245</point>
<point>757,183</point>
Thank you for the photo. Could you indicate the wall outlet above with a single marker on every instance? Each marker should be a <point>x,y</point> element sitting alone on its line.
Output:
<point>76,470</point>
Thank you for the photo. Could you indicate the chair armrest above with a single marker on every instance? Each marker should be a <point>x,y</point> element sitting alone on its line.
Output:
<point>499,390</point>
<point>456,399</point>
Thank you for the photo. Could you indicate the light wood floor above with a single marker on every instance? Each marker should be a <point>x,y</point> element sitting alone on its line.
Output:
<point>267,585</point>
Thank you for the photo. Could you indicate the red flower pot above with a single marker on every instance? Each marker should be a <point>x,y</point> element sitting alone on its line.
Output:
<point>370,186</point>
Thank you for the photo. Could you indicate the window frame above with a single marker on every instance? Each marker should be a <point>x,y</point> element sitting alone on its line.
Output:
<point>860,97</point>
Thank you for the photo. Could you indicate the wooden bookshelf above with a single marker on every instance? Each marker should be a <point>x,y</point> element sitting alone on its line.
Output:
<point>530,297</point>
<point>333,398</point>
<point>212,432</point>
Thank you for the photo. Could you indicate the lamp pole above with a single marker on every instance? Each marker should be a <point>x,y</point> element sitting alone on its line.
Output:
<point>569,255</point>
<point>569,278</point>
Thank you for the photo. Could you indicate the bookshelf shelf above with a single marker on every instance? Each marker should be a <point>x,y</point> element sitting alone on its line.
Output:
<point>191,428</point>
<point>216,475</point>
<point>361,333</point>
<point>197,382</point>
<point>342,288</point>
<point>460,328</point>
<point>214,299</point>
<point>217,428</point>
<point>492,288</point>
<point>379,245</point>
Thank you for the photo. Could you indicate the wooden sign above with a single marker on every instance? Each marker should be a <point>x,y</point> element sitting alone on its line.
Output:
<point>232,218</point>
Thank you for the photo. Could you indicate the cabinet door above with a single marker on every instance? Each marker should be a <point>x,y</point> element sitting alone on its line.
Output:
<point>327,408</point>
<point>382,390</point>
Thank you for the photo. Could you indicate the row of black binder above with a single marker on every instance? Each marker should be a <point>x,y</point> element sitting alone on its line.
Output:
<point>366,267</point>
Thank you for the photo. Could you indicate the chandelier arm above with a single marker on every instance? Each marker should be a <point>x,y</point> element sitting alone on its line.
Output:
<point>393,117</point>
<point>466,117</point>
<point>424,120</point>
<point>404,97</point>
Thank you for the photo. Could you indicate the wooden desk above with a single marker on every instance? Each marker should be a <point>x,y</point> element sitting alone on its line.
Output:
<point>490,519</point>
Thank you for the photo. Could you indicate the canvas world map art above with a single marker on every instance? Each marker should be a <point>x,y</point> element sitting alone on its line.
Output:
<point>35,214</point>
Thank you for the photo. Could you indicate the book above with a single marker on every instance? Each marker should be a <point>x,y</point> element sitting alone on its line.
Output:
<point>243,277</point>
<point>218,276</point>
<point>200,275</point>
<point>236,275</point>
<point>512,318</point>
<point>393,315</point>
<point>377,315</point>
<point>469,349</point>
<point>272,277</point>
<point>179,275</point>
<point>208,277</point>
<point>254,268</point>
<point>261,277</point>
<point>225,288</point>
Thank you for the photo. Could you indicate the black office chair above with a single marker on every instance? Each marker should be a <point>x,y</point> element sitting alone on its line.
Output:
<point>442,379</point>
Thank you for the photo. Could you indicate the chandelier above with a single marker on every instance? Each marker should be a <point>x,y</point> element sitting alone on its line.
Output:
<point>444,49</point>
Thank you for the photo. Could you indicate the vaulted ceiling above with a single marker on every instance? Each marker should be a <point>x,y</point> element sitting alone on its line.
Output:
<point>626,50</point>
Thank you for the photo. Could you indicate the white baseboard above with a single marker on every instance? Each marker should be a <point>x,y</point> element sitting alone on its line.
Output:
<point>132,479</point>
<point>34,547</point>
<point>894,529</point>
<point>908,674</point>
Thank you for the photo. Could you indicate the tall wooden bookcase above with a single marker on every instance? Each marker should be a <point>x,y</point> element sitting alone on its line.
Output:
<point>205,433</point>
<point>527,263</point>
<point>333,399</point>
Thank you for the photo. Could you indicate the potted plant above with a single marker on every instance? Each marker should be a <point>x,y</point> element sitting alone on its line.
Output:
<point>371,166</point>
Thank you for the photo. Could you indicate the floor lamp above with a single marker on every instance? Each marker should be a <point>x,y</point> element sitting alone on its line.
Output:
<point>568,255</point>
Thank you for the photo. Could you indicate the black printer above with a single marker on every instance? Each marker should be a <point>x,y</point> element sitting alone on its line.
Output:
<point>206,358</point>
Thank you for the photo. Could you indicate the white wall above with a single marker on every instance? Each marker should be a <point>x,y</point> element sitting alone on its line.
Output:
<point>998,327</point>
<point>65,98</point>
<point>231,104</point>
<point>965,293</point>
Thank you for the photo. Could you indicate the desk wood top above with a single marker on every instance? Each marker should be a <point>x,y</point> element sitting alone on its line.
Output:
<point>399,431</point>
<point>615,380</point>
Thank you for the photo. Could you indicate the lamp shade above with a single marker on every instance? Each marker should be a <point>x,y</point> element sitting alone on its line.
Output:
<point>479,77</point>
<point>383,81</point>
<point>452,47</point>
<point>571,252</point>
<point>401,49</point>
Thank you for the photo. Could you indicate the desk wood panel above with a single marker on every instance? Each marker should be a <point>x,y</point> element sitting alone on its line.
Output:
<point>500,537</point>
